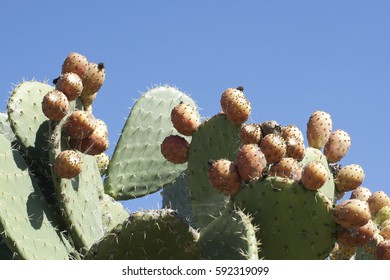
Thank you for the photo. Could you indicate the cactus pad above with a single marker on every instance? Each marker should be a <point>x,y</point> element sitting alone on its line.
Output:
<point>137,167</point>
<point>176,196</point>
<point>79,197</point>
<point>295,223</point>
<point>28,122</point>
<point>26,222</point>
<point>5,127</point>
<point>216,138</point>
<point>231,236</point>
<point>149,235</point>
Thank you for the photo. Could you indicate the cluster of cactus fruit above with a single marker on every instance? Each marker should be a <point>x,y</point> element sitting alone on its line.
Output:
<point>231,189</point>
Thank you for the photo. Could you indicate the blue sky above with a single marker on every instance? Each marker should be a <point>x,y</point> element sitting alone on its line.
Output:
<point>292,57</point>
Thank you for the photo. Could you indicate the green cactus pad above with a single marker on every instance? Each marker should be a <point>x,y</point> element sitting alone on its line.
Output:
<point>176,196</point>
<point>149,235</point>
<point>113,212</point>
<point>79,196</point>
<point>295,223</point>
<point>5,127</point>
<point>231,237</point>
<point>28,122</point>
<point>216,138</point>
<point>312,154</point>
<point>137,167</point>
<point>26,222</point>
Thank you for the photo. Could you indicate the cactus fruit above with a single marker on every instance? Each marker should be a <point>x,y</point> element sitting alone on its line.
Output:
<point>93,78</point>
<point>274,147</point>
<point>68,164</point>
<point>230,94</point>
<point>175,149</point>
<point>358,236</point>
<point>185,119</point>
<point>382,215</point>
<point>79,125</point>
<point>361,193</point>
<point>250,134</point>
<point>96,143</point>
<point>383,250</point>
<point>235,105</point>
<point>295,148</point>
<point>286,168</point>
<point>349,178</point>
<point>224,177</point>
<point>291,130</point>
<point>250,162</point>
<point>55,105</point>
<point>385,232</point>
<point>319,128</point>
<point>377,201</point>
<point>352,213</point>
<point>337,145</point>
<point>103,160</point>
<point>314,175</point>
<point>75,63</point>
<point>70,84</point>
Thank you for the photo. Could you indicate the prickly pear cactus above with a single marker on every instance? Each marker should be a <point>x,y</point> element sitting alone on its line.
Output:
<point>150,235</point>
<point>248,197</point>
<point>137,167</point>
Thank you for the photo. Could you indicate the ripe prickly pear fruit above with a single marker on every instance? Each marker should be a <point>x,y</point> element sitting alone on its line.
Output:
<point>175,149</point>
<point>185,119</point>
<point>385,232</point>
<point>385,223</point>
<point>79,125</point>
<point>274,147</point>
<point>270,127</point>
<point>361,193</point>
<point>75,63</point>
<point>94,144</point>
<point>286,168</point>
<point>295,148</point>
<point>102,160</point>
<point>250,162</point>
<point>351,213</point>
<point>93,78</point>
<point>383,250</point>
<point>238,110</point>
<point>314,175</point>
<point>70,84</point>
<point>349,178</point>
<point>68,164</point>
<point>358,236</point>
<point>250,134</point>
<point>337,146</point>
<point>224,177</point>
<point>319,128</point>
<point>291,131</point>
<point>87,100</point>
<point>55,105</point>
<point>377,201</point>
<point>230,94</point>
<point>382,215</point>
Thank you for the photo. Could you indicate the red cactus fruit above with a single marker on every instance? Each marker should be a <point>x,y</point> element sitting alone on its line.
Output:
<point>251,162</point>
<point>224,177</point>
<point>274,147</point>
<point>175,149</point>
<point>349,178</point>
<point>70,84</point>
<point>319,128</point>
<point>337,146</point>
<point>75,63</point>
<point>55,105</point>
<point>79,125</point>
<point>68,164</point>
<point>250,134</point>
<point>286,168</point>
<point>185,119</point>
<point>351,213</point>
<point>314,175</point>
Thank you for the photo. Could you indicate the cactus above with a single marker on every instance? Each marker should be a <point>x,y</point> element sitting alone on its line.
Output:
<point>153,235</point>
<point>273,210</point>
<point>137,166</point>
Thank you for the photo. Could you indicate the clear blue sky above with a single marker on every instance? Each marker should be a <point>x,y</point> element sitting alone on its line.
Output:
<point>292,57</point>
